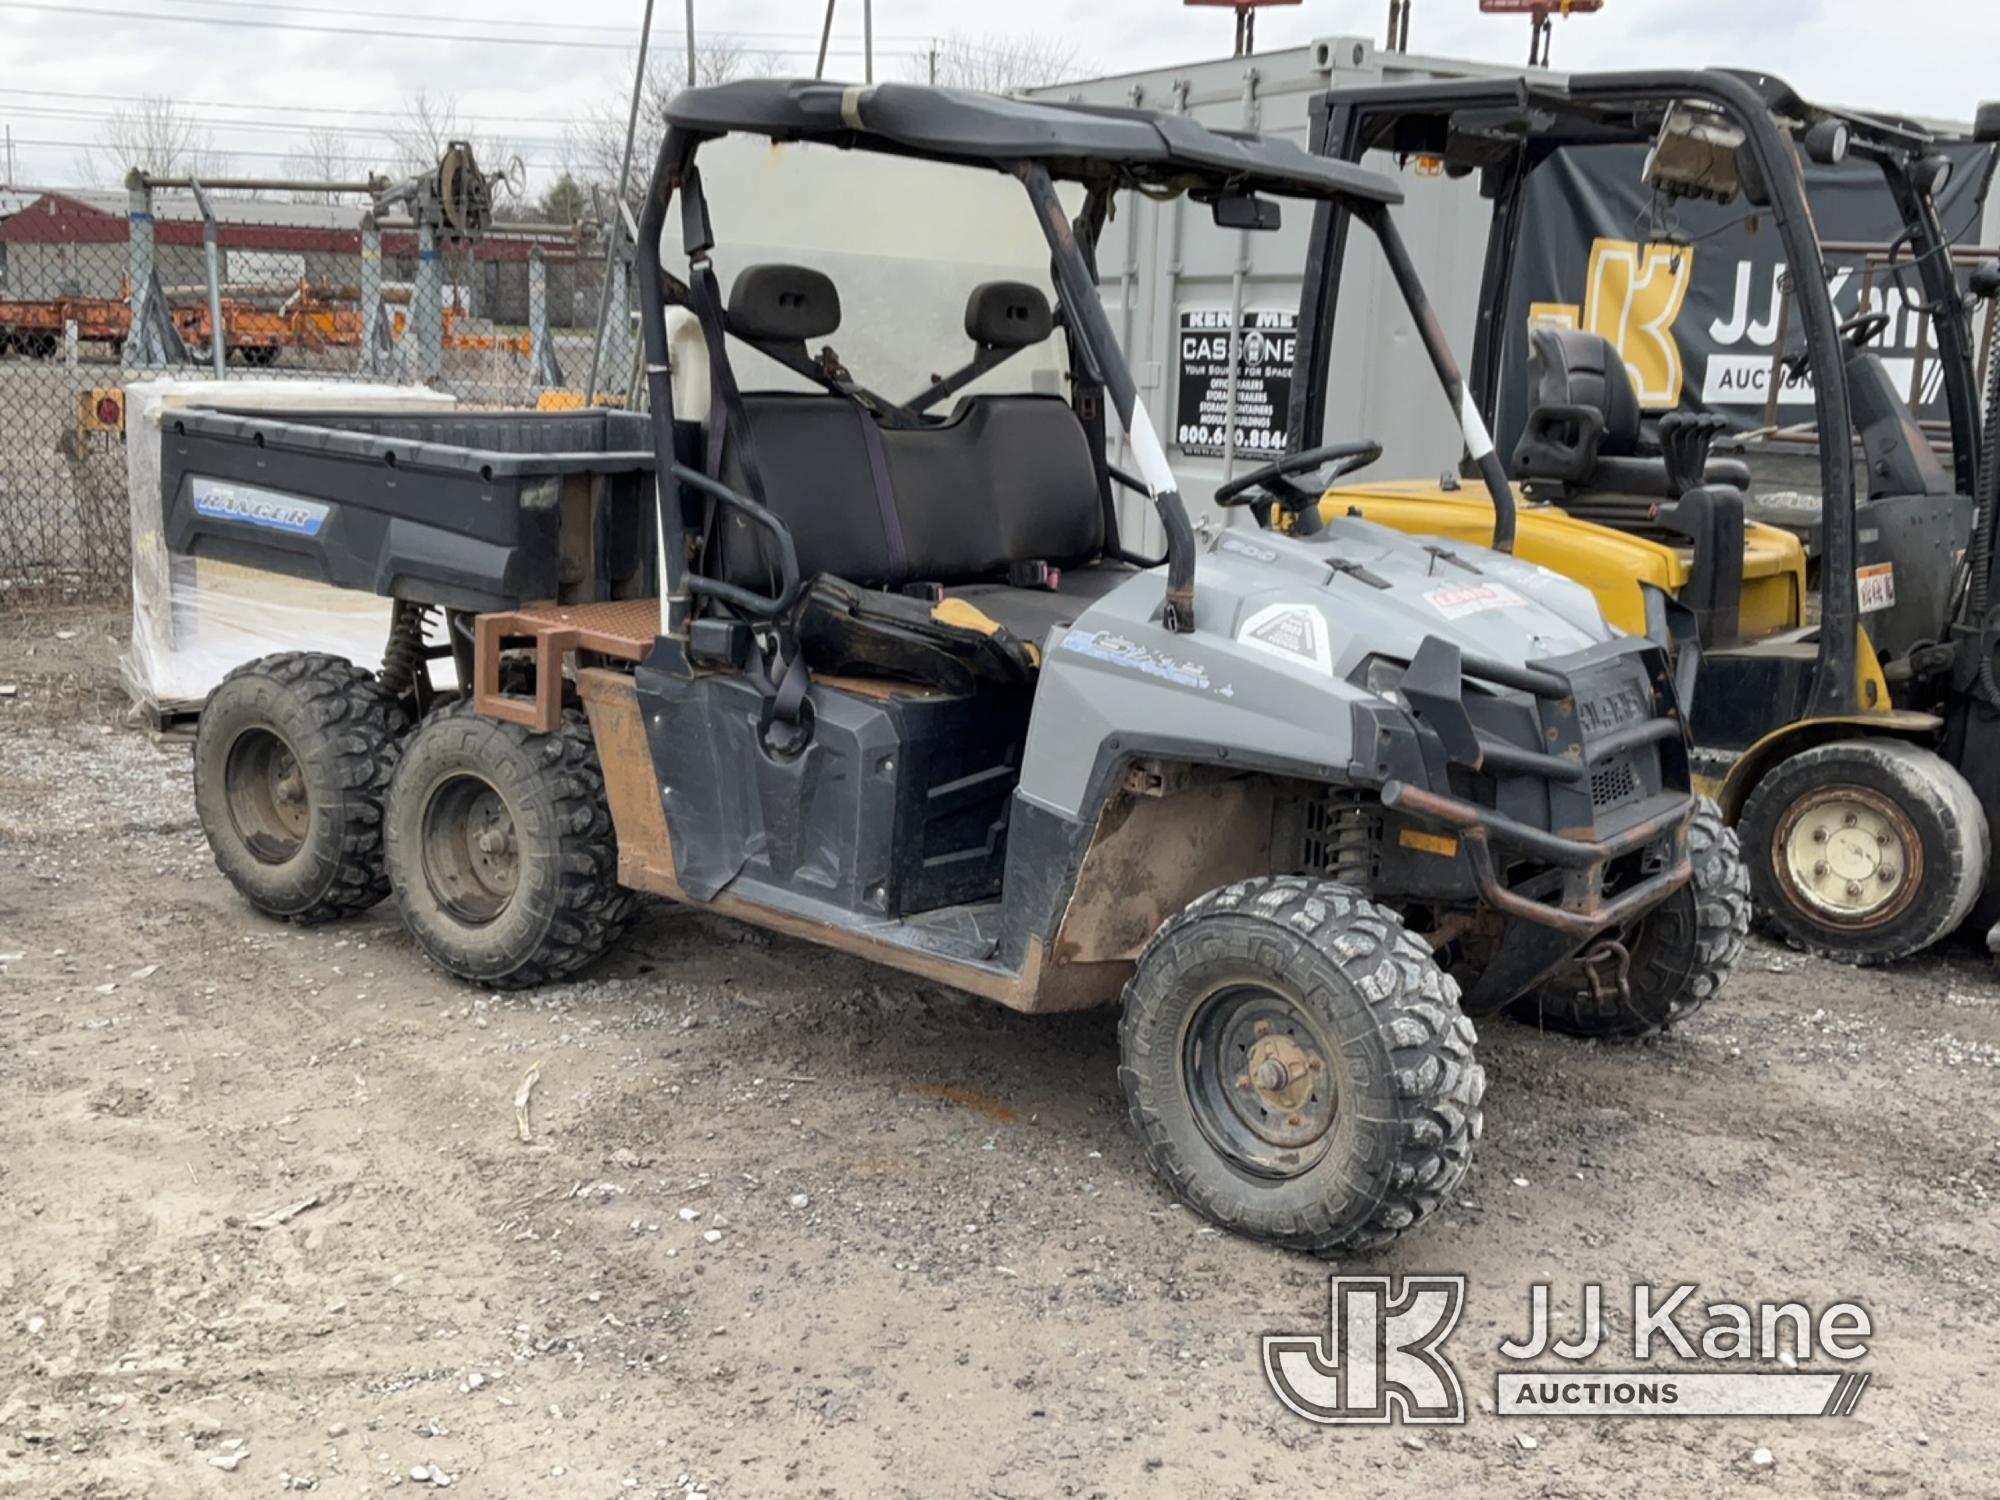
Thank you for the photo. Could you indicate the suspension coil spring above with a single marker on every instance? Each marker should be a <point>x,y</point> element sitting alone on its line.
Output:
<point>404,659</point>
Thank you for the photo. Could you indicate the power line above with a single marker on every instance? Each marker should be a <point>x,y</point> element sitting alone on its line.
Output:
<point>471,123</point>
<point>237,104</point>
<point>397,15</point>
<point>100,146</point>
<point>473,39</point>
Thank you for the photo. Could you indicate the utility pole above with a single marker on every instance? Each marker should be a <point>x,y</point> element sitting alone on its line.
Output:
<point>825,35</point>
<point>867,41</point>
<point>690,25</point>
<point>934,64</point>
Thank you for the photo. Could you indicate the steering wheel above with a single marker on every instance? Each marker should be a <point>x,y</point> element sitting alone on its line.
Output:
<point>1863,329</point>
<point>1327,463</point>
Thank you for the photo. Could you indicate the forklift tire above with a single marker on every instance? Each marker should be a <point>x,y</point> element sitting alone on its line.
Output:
<point>1297,1066</point>
<point>1865,851</point>
<point>292,759</point>
<point>1678,955</point>
<point>501,851</point>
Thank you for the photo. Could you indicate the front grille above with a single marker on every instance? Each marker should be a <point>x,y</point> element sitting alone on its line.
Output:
<point>1613,784</point>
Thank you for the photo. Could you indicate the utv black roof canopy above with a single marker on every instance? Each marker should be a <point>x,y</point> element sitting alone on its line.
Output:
<point>1453,118</point>
<point>1099,146</point>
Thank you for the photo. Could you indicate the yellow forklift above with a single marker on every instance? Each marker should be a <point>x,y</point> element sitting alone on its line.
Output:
<point>1847,731</point>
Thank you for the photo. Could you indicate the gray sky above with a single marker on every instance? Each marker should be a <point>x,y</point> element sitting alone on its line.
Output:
<point>258,87</point>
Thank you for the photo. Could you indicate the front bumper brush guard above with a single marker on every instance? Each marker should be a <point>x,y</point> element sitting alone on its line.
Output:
<point>1434,688</point>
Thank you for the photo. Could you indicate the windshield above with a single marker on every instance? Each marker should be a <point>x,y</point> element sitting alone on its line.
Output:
<point>905,242</point>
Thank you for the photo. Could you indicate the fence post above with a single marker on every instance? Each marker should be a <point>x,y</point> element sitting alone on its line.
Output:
<point>545,369</point>
<point>378,329</point>
<point>151,339</point>
<point>211,254</point>
<point>427,304</point>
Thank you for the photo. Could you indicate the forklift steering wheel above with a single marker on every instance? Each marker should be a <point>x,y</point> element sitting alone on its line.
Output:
<point>1301,500</point>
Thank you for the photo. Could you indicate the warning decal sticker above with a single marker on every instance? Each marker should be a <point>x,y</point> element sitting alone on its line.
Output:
<point>1462,599</point>
<point>1292,632</point>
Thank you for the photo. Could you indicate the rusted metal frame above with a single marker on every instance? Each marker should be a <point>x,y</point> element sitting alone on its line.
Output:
<point>553,641</point>
<point>1479,828</point>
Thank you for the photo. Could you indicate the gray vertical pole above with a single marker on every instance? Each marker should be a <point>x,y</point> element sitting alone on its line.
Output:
<point>211,254</point>
<point>374,357</point>
<point>545,370</point>
<point>142,344</point>
<point>624,186</point>
<point>427,305</point>
<point>825,35</point>
<point>613,267</point>
<point>867,41</point>
<point>690,26</point>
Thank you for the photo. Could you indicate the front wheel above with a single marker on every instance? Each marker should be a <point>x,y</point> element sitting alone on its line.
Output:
<point>500,849</point>
<point>1297,1066</point>
<point>1666,964</point>
<point>1865,851</point>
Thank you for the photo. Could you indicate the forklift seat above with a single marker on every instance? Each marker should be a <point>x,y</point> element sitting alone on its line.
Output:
<point>1585,429</point>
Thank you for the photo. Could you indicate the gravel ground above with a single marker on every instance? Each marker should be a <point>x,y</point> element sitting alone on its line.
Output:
<point>792,1224</point>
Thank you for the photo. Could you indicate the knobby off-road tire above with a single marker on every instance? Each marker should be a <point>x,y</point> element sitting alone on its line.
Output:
<point>292,759</point>
<point>1298,1067</point>
<point>501,851</point>
<point>1865,851</point>
<point>1682,951</point>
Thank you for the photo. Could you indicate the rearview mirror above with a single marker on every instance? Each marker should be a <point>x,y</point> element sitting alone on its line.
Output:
<point>1244,211</point>
<point>1986,124</point>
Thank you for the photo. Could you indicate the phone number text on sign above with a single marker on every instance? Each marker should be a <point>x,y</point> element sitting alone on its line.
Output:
<point>1266,342</point>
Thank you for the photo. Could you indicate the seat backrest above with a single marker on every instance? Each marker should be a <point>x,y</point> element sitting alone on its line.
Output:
<point>1570,367</point>
<point>1005,479</point>
<point>1900,458</point>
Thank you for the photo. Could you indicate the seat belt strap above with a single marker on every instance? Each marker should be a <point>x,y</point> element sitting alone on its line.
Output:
<point>885,497</point>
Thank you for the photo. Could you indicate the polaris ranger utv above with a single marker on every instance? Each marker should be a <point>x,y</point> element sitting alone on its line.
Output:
<point>889,682</point>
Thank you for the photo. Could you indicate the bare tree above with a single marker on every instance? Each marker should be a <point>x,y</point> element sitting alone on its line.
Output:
<point>325,157</point>
<point>157,136</point>
<point>595,143</point>
<point>997,64</point>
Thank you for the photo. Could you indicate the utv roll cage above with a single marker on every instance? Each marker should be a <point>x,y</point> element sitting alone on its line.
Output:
<point>1106,151</point>
<point>1501,128</point>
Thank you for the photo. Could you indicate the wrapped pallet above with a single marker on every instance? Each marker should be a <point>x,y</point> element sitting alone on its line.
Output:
<point>194,619</point>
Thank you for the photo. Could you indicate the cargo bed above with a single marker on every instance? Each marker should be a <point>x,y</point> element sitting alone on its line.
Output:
<point>472,511</point>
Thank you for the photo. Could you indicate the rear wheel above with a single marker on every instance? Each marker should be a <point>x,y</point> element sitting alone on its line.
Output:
<point>1298,1067</point>
<point>501,851</point>
<point>291,761</point>
<point>1865,851</point>
<point>1663,966</point>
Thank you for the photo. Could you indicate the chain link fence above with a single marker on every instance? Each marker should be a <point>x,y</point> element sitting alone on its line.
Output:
<point>100,288</point>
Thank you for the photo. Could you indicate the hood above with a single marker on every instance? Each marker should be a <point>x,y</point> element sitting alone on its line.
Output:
<point>1378,592</point>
